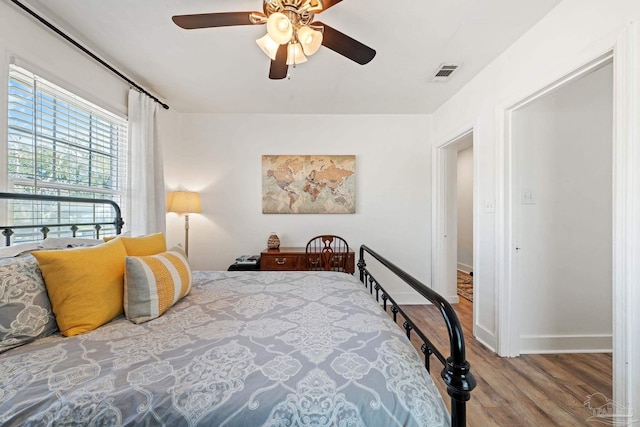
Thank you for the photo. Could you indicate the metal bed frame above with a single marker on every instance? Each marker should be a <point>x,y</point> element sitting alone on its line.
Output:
<point>7,230</point>
<point>456,374</point>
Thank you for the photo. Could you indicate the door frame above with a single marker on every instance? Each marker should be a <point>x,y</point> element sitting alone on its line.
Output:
<point>444,242</point>
<point>625,213</point>
<point>511,294</point>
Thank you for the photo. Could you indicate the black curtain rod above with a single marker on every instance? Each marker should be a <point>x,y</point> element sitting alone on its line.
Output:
<point>88,52</point>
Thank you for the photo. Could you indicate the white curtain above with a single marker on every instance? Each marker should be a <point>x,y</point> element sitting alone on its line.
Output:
<point>145,192</point>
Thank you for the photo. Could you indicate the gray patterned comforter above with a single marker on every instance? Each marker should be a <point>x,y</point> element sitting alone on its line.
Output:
<point>243,349</point>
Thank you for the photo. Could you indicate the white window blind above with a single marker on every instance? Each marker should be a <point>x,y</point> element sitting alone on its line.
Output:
<point>61,144</point>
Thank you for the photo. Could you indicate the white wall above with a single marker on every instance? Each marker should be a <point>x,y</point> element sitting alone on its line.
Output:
<point>220,156</point>
<point>570,36</point>
<point>40,50</point>
<point>465,209</point>
<point>564,145</point>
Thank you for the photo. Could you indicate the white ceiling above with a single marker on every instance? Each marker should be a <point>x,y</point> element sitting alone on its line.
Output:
<point>222,70</point>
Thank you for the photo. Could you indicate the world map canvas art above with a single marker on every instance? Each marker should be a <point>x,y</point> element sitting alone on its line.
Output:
<point>308,184</point>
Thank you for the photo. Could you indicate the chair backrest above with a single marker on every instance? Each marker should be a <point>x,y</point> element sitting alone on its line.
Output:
<point>328,253</point>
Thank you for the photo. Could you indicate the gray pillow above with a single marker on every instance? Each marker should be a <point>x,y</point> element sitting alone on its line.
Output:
<point>25,310</point>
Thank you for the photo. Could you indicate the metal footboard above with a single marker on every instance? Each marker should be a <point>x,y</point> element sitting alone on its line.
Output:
<point>455,373</point>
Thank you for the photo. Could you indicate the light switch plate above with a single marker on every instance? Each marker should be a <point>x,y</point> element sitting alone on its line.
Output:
<point>528,197</point>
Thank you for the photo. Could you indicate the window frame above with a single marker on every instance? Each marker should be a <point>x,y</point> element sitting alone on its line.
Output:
<point>105,138</point>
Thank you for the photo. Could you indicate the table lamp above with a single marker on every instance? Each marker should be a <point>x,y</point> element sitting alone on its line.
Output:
<point>185,202</point>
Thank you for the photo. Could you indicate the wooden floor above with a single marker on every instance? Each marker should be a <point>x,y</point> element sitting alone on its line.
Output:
<point>530,390</point>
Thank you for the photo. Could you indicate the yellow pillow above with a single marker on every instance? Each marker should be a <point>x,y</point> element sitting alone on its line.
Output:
<point>145,245</point>
<point>85,285</point>
<point>154,283</point>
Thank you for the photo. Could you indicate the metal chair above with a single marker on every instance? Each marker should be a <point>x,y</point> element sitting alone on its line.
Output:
<point>327,253</point>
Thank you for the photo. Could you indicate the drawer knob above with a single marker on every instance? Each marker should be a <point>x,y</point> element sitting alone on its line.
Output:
<point>279,262</point>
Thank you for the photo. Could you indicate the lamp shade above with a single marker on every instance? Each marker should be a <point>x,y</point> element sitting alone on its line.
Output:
<point>295,54</point>
<point>184,202</point>
<point>279,28</point>
<point>268,46</point>
<point>310,39</point>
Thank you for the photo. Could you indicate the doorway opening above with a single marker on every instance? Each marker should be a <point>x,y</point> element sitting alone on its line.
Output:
<point>557,281</point>
<point>464,218</point>
<point>562,193</point>
<point>454,221</point>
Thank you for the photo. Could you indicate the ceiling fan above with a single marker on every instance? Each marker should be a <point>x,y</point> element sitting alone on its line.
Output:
<point>292,33</point>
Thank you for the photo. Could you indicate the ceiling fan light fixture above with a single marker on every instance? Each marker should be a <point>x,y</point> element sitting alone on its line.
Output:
<point>295,55</point>
<point>279,28</point>
<point>292,36</point>
<point>268,46</point>
<point>310,39</point>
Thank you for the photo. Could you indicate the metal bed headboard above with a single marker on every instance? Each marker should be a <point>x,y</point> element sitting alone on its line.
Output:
<point>8,230</point>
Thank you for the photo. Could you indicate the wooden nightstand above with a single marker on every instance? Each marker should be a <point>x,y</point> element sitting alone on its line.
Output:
<point>292,259</point>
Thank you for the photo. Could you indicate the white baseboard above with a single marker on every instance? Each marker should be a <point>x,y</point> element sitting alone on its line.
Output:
<point>542,344</point>
<point>485,337</point>
<point>465,268</point>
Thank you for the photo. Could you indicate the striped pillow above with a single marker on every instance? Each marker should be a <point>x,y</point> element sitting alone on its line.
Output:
<point>154,283</point>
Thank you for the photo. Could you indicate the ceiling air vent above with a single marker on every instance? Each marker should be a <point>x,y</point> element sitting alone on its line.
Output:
<point>444,72</point>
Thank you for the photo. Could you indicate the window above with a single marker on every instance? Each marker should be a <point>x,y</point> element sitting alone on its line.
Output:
<point>61,144</point>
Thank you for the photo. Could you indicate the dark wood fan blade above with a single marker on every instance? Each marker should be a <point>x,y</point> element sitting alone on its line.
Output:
<point>207,20</point>
<point>279,66</point>
<point>345,45</point>
<point>326,4</point>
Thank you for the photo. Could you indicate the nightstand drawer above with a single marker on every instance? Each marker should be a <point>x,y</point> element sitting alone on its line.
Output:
<point>293,259</point>
<point>279,262</point>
